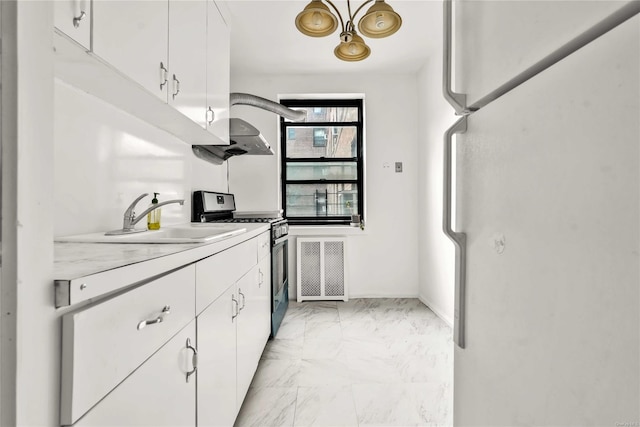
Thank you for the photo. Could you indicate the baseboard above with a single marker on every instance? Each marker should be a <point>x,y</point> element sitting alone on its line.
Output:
<point>446,319</point>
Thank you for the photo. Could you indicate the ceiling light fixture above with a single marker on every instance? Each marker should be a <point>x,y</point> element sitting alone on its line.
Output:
<point>316,20</point>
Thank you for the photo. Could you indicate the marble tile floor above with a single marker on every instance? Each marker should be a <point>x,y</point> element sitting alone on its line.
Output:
<point>364,362</point>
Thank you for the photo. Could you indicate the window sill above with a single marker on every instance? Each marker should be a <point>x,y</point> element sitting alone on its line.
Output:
<point>325,230</point>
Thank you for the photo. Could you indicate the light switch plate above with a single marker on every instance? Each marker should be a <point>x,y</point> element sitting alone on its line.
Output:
<point>398,166</point>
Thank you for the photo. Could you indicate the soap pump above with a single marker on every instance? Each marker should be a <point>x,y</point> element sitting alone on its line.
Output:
<point>153,217</point>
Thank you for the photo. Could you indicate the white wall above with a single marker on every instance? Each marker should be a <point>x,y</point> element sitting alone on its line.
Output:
<point>104,158</point>
<point>30,333</point>
<point>436,251</point>
<point>382,261</point>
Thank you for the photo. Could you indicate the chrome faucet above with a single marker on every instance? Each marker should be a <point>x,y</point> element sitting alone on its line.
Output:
<point>130,219</point>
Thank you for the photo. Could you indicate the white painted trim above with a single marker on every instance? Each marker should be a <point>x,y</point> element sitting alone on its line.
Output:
<point>446,319</point>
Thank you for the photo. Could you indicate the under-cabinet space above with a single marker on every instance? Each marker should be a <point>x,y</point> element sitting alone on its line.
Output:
<point>105,342</point>
<point>162,392</point>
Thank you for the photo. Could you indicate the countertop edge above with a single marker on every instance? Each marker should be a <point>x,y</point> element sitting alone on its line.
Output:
<point>95,283</point>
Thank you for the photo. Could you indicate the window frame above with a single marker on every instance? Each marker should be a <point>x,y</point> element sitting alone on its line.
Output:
<point>358,159</point>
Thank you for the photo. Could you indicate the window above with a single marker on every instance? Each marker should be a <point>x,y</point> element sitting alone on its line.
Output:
<point>322,162</point>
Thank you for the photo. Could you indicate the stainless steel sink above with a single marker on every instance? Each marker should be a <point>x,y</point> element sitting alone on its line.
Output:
<point>185,233</point>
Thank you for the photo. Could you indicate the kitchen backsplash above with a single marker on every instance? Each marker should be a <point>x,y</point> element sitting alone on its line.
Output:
<point>105,158</point>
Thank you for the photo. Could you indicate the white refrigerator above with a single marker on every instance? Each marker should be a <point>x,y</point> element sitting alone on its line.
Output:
<point>547,199</point>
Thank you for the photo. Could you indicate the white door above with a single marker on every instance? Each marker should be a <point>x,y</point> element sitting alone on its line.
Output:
<point>132,36</point>
<point>217,361</point>
<point>188,58</point>
<point>254,323</point>
<point>218,73</point>
<point>157,393</point>
<point>548,190</point>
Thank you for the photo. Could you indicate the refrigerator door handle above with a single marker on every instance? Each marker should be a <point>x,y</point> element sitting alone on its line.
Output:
<point>458,239</point>
<point>457,100</point>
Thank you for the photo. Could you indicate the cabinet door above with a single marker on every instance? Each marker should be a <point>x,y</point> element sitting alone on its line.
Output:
<point>218,70</point>
<point>254,325</point>
<point>217,404</point>
<point>263,299</point>
<point>132,37</point>
<point>73,17</point>
<point>156,394</point>
<point>188,58</point>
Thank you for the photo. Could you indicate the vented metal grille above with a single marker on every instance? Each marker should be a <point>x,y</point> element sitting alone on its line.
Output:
<point>334,268</point>
<point>321,268</point>
<point>311,281</point>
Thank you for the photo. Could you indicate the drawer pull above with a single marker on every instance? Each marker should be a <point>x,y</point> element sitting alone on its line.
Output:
<point>166,310</point>
<point>194,359</point>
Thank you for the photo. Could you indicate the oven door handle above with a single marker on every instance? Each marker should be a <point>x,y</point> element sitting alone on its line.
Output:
<point>280,241</point>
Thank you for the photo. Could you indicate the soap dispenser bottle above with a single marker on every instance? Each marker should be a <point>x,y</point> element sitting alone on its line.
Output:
<point>153,217</point>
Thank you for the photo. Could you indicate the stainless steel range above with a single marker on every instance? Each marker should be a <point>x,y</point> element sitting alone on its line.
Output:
<point>210,206</point>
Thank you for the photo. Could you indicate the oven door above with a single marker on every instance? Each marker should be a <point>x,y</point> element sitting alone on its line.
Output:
<point>279,282</point>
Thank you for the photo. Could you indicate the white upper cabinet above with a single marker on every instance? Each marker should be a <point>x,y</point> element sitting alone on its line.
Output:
<point>218,69</point>
<point>163,61</point>
<point>73,17</point>
<point>132,36</point>
<point>188,58</point>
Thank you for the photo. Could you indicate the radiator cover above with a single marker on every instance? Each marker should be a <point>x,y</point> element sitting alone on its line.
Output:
<point>321,268</point>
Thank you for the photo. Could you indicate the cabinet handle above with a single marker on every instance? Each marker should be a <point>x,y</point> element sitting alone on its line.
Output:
<point>241,294</point>
<point>163,76</point>
<point>194,359</point>
<point>77,19</point>
<point>210,115</point>
<point>176,86</point>
<point>165,311</point>
<point>234,314</point>
<point>261,278</point>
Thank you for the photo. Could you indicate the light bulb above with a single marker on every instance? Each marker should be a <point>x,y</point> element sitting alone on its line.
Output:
<point>316,19</point>
<point>380,22</point>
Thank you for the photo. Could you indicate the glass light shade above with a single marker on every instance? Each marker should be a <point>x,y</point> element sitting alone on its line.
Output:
<point>316,20</point>
<point>354,50</point>
<point>380,21</point>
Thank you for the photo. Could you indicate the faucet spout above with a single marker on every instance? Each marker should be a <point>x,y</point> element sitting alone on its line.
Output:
<point>137,219</point>
<point>130,219</point>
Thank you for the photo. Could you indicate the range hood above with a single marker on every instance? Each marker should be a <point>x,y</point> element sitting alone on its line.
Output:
<point>244,137</point>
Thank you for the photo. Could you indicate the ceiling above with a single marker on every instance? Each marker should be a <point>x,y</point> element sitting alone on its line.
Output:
<point>265,40</point>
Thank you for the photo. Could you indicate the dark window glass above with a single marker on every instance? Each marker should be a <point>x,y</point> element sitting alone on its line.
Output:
<point>322,164</point>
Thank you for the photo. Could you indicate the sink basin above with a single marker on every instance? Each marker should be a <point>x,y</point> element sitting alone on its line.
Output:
<point>188,233</point>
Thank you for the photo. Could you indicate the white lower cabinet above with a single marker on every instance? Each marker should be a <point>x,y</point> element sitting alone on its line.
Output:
<point>253,327</point>
<point>130,359</point>
<point>217,361</point>
<point>232,333</point>
<point>157,393</point>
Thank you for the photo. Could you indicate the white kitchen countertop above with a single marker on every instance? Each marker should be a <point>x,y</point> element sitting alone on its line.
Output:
<point>82,262</point>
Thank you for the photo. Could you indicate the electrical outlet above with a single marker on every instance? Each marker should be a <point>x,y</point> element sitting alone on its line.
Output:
<point>398,166</point>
